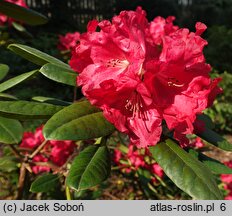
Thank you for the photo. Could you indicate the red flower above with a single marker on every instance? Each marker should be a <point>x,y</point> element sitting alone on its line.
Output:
<point>55,151</point>
<point>61,150</point>
<point>4,19</point>
<point>28,141</point>
<point>37,168</point>
<point>160,27</point>
<point>156,169</point>
<point>227,180</point>
<point>229,197</point>
<point>197,143</point>
<point>68,41</point>
<point>141,73</point>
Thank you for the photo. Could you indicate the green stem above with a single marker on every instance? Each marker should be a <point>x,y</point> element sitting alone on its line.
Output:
<point>68,193</point>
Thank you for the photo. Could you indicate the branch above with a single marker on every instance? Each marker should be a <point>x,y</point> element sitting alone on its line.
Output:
<point>33,154</point>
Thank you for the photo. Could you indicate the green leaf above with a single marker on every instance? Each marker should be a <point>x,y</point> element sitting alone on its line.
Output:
<point>4,69</point>
<point>25,15</point>
<point>35,56</point>
<point>185,171</point>
<point>18,27</point>
<point>45,183</point>
<point>11,131</point>
<point>77,122</point>
<point>28,110</point>
<point>89,168</point>
<point>22,30</point>
<point>8,164</point>
<point>16,80</point>
<point>214,165</point>
<point>7,97</point>
<point>59,74</point>
<point>207,120</point>
<point>215,139</point>
<point>51,100</point>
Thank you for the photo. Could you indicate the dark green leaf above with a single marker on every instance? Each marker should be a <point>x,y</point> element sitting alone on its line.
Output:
<point>215,139</point>
<point>4,69</point>
<point>89,168</point>
<point>76,122</point>
<point>59,74</point>
<point>207,120</point>
<point>28,110</point>
<point>214,165</point>
<point>25,15</point>
<point>16,80</point>
<point>185,171</point>
<point>8,164</point>
<point>45,183</point>
<point>51,100</point>
<point>11,131</point>
<point>35,56</point>
<point>7,97</point>
<point>22,30</point>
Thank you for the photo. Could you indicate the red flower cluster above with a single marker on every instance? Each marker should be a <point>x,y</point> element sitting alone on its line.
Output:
<point>135,159</point>
<point>227,180</point>
<point>197,143</point>
<point>142,73</point>
<point>5,19</point>
<point>56,152</point>
<point>68,41</point>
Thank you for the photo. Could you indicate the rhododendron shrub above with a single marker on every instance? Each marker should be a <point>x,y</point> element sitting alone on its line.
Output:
<point>55,152</point>
<point>145,84</point>
<point>135,159</point>
<point>156,72</point>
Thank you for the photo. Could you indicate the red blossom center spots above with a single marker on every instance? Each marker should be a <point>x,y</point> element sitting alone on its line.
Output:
<point>136,106</point>
<point>117,63</point>
<point>170,81</point>
<point>174,82</point>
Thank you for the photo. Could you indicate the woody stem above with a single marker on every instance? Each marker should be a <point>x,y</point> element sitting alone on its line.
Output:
<point>33,154</point>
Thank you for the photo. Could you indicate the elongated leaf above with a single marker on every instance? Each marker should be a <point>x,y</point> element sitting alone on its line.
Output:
<point>11,131</point>
<point>22,30</point>
<point>215,139</point>
<point>185,171</point>
<point>51,100</point>
<point>18,27</point>
<point>76,122</point>
<point>45,183</point>
<point>35,56</point>
<point>59,74</point>
<point>214,165</point>
<point>8,164</point>
<point>207,120</point>
<point>25,15</point>
<point>89,168</point>
<point>7,97</point>
<point>16,80</point>
<point>4,69</point>
<point>28,110</point>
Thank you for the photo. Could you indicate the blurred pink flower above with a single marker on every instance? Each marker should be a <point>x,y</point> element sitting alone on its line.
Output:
<point>54,151</point>
<point>68,41</point>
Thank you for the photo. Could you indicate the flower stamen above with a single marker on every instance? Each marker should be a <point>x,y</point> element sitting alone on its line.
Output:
<point>117,63</point>
<point>135,105</point>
